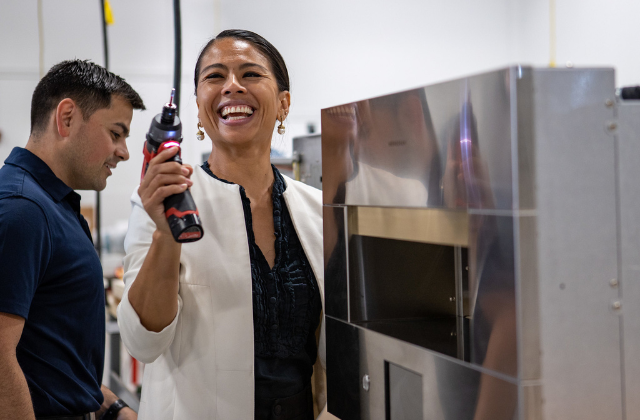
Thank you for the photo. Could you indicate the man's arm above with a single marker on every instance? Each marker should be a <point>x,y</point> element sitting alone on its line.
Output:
<point>15,400</point>
<point>24,250</point>
<point>109,398</point>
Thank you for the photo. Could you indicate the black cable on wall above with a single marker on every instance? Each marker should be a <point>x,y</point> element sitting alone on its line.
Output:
<point>177,57</point>
<point>177,73</point>
<point>104,36</point>
<point>98,242</point>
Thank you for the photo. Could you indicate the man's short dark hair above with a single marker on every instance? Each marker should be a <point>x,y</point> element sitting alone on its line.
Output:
<point>89,85</point>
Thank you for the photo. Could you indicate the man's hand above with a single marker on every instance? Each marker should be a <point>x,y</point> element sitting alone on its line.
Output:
<point>127,414</point>
<point>109,398</point>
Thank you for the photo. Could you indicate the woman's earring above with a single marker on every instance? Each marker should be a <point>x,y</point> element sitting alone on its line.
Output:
<point>281,126</point>
<point>199,133</point>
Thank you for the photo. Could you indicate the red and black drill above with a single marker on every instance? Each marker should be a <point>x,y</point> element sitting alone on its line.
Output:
<point>180,209</point>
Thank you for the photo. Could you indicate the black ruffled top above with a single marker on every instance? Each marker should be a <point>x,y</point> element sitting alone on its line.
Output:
<point>286,304</point>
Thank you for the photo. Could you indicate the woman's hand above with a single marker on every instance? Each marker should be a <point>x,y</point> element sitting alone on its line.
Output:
<point>162,180</point>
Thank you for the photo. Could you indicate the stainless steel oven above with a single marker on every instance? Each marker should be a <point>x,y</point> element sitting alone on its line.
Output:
<point>482,250</point>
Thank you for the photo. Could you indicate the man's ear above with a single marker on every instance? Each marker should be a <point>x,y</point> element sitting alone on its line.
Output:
<point>66,114</point>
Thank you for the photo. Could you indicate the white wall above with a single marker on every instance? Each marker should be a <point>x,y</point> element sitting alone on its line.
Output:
<point>589,33</point>
<point>336,51</point>
<point>601,33</point>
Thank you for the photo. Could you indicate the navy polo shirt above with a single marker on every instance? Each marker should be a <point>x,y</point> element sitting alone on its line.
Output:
<point>50,275</point>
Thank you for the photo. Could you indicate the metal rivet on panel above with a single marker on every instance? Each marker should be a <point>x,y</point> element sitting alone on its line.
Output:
<point>365,382</point>
<point>616,305</point>
<point>613,282</point>
<point>608,103</point>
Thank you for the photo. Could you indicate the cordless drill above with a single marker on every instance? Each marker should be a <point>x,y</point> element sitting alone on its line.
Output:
<point>180,209</point>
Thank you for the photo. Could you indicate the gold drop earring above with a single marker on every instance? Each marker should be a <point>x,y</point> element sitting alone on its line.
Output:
<point>199,133</point>
<point>281,128</point>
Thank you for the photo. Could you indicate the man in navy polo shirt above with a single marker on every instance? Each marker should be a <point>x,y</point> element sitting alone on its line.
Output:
<point>52,319</point>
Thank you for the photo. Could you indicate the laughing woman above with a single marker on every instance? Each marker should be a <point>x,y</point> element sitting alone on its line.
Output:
<point>227,325</point>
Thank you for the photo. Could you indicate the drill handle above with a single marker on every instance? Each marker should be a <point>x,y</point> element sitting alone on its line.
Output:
<point>151,149</point>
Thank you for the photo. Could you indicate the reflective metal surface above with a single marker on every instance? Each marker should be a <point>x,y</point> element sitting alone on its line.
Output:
<point>393,279</point>
<point>492,293</point>
<point>489,242</point>
<point>335,264</point>
<point>629,280</point>
<point>451,390</point>
<point>577,244</point>
<point>531,406</point>
<point>433,226</point>
<point>446,145</point>
<point>524,169</point>
<point>527,297</point>
<point>403,393</point>
<point>343,370</point>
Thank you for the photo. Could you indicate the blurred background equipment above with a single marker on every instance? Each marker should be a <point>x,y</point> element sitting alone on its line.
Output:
<point>305,163</point>
<point>307,160</point>
<point>631,92</point>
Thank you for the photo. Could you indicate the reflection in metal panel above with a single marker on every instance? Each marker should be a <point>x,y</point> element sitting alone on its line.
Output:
<point>404,393</point>
<point>335,267</point>
<point>492,293</point>
<point>487,232</point>
<point>422,148</point>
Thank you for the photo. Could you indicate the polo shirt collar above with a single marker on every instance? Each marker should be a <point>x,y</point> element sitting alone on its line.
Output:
<point>43,175</point>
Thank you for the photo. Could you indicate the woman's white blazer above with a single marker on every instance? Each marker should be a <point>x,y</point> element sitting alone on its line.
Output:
<point>201,365</point>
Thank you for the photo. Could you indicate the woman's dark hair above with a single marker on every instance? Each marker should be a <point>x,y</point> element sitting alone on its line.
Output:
<point>89,85</point>
<point>278,67</point>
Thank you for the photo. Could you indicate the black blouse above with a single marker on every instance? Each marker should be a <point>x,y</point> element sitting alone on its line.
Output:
<point>286,304</point>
